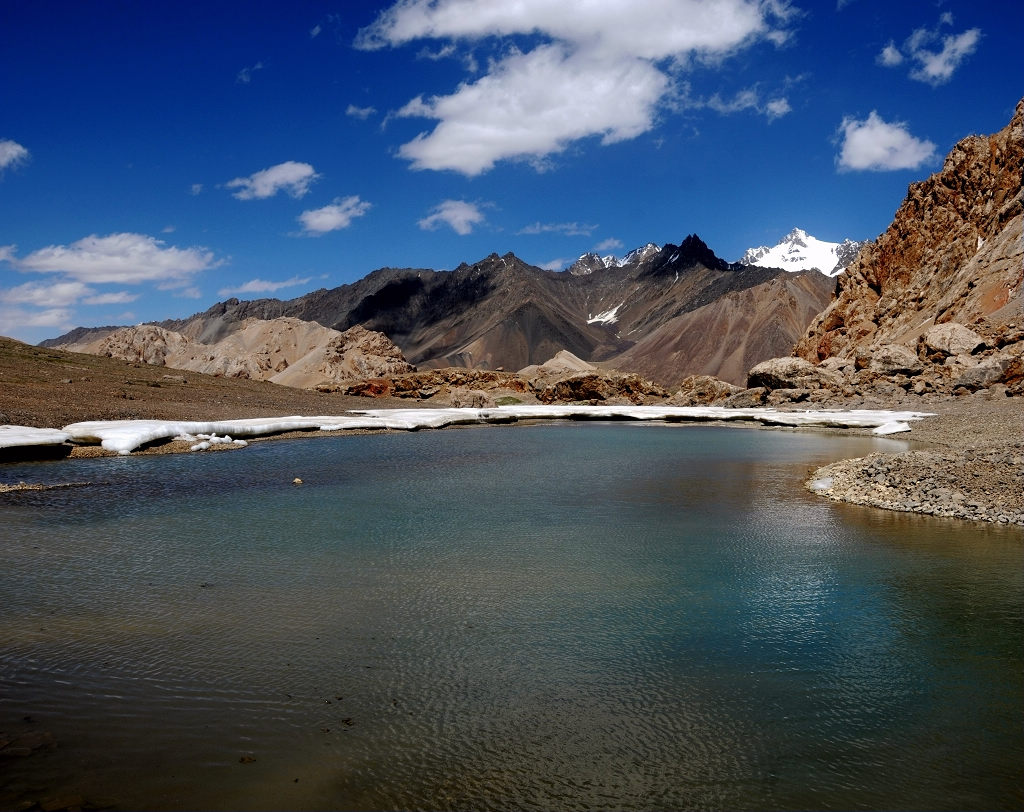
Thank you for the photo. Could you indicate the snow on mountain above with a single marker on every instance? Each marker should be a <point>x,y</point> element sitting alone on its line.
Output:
<point>589,262</point>
<point>799,251</point>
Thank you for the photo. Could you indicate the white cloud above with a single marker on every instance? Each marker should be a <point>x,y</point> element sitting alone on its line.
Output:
<point>458,214</point>
<point>555,264</point>
<point>748,99</point>
<point>890,56</point>
<point>314,32</point>
<point>334,217</point>
<point>934,65</point>
<point>264,286</point>
<point>245,74</point>
<point>292,177</point>
<point>41,294</point>
<point>121,297</point>
<point>11,154</point>
<point>14,319</point>
<point>611,244</point>
<point>533,105</point>
<point>937,67</point>
<point>7,253</point>
<point>604,70</point>
<point>873,144</point>
<point>776,108</point>
<point>196,188</point>
<point>569,229</point>
<point>120,258</point>
<point>362,113</point>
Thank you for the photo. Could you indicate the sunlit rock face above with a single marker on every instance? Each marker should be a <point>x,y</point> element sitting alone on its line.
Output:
<point>953,253</point>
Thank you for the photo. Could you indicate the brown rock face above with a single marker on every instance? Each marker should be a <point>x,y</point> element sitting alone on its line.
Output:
<point>952,253</point>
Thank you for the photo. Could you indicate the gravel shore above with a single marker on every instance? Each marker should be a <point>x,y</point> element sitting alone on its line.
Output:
<point>971,468</point>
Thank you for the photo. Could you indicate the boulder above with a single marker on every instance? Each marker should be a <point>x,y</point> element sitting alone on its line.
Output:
<point>943,340</point>
<point>472,398</point>
<point>790,373</point>
<point>891,359</point>
<point>747,398</point>
<point>702,390</point>
<point>990,371</point>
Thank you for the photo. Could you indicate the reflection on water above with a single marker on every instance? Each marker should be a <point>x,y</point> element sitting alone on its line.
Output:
<point>560,616</point>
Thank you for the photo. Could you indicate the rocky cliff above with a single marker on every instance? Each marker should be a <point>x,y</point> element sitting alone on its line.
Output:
<point>953,253</point>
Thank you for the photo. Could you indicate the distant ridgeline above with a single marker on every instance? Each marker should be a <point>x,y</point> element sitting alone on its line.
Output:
<point>662,312</point>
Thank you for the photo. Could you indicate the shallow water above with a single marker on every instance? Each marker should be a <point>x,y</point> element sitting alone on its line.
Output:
<point>558,616</point>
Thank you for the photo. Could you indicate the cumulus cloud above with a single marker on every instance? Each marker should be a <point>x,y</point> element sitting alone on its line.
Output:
<point>569,229</point>
<point>12,154</point>
<point>611,244</point>
<point>119,258</point>
<point>935,57</point>
<point>292,177</point>
<point>361,113</point>
<point>877,145</point>
<point>458,214</point>
<point>264,286</point>
<point>555,264</point>
<point>604,69</point>
<point>338,215</point>
<point>196,188</point>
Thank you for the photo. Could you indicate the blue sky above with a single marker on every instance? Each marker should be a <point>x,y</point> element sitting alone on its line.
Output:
<point>158,157</point>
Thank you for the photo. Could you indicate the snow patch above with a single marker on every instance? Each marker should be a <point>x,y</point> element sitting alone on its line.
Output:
<point>124,436</point>
<point>607,317</point>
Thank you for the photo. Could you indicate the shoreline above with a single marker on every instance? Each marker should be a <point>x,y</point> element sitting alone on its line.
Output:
<point>968,462</point>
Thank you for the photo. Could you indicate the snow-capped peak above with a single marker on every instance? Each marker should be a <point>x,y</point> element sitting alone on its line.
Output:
<point>799,251</point>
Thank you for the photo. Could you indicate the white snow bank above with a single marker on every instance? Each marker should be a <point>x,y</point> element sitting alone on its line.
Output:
<point>124,436</point>
<point>12,436</point>
<point>607,317</point>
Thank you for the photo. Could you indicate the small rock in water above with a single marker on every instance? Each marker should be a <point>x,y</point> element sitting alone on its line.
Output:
<point>296,481</point>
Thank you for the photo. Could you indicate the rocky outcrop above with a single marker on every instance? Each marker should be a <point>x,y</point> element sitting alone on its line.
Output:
<point>599,387</point>
<point>953,253</point>
<point>558,380</point>
<point>146,343</point>
<point>290,352</point>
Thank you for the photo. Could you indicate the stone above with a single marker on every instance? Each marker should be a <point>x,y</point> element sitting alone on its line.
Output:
<point>891,359</point>
<point>472,398</point>
<point>985,373</point>
<point>790,373</point>
<point>747,398</point>
<point>702,390</point>
<point>777,397</point>
<point>951,338</point>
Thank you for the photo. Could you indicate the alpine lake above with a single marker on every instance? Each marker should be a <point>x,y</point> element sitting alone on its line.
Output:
<point>549,616</point>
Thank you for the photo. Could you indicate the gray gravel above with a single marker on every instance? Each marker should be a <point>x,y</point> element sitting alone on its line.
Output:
<point>970,465</point>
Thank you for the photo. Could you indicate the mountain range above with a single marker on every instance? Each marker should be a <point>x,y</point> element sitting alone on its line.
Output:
<point>664,312</point>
